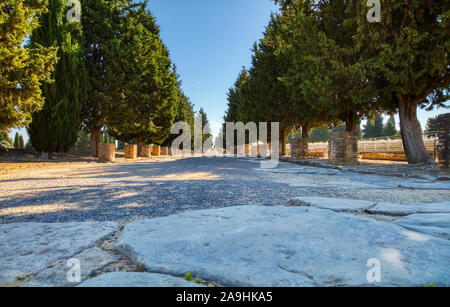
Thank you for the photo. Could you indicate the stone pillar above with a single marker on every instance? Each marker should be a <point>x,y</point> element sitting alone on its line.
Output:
<point>299,148</point>
<point>156,150</point>
<point>164,151</point>
<point>107,152</point>
<point>262,150</point>
<point>444,139</point>
<point>131,152</point>
<point>247,150</point>
<point>343,148</point>
<point>146,151</point>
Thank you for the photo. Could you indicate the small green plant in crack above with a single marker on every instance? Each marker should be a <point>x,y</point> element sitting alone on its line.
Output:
<point>188,276</point>
<point>140,268</point>
<point>430,285</point>
<point>197,280</point>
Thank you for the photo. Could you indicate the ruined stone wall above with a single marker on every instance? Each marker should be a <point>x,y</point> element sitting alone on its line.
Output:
<point>299,148</point>
<point>444,139</point>
<point>146,151</point>
<point>107,152</point>
<point>130,151</point>
<point>156,150</point>
<point>343,147</point>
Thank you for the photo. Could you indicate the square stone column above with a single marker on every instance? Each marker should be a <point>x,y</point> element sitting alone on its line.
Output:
<point>164,151</point>
<point>131,152</point>
<point>146,151</point>
<point>299,148</point>
<point>156,150</point>
<point>444,140</point>
<point>107,152</point>
<point>343,148</point>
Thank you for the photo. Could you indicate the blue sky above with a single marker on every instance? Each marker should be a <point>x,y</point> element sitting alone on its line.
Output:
<point>209,41</point>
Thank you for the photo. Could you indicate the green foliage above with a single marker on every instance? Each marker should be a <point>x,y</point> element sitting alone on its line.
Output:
<point>21,142</point>
<point>430,285</point>
<point>390,129</point>
<point>141,85</point>
<point>319,135</point>
<point>83,142</point>
<point>5,140</point>
<point>432,125</point>
<point>55,127</point>
<point>188,276</point>
<point>16,141</point>
<point>198,280</point>
<point>22,69</point>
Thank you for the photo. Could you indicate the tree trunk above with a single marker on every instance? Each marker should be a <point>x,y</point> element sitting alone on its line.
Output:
<point>350,121</point>
<point>305,131</point>
<point>44,155</point>
<point>95,140</point>
<point>283,142</point>
<point>139,146</point>
<point>413,144</point>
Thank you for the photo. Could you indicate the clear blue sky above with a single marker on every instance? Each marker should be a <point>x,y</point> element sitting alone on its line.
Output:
<point>209,41</point>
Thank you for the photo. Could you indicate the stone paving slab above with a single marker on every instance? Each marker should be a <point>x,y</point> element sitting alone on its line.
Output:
<point>433,224</point>
<point>28,248</point>
<point>284,246</point>
<point>129,279</point>
<point>91,260</point>
<point>335,204</point>
<point>407,209</point>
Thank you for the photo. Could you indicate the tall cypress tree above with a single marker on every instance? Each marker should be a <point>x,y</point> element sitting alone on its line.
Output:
<point>142,87</point>
<point>55,127</point>
<point>16,141</point>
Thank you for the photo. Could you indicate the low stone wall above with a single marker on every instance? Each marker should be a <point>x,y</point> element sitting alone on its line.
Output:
<point>164,151</point>
<point>444,139</point>
<point>156,150</point>
<point>262,150</point>
<point>131,152</point>
<point>107,152</point>
<point>299,148</point>
<point>146,151</point>
<point>343,148</point>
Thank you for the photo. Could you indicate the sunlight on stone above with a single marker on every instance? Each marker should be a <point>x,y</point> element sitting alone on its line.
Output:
<point>131,205</point>
<point>414,236</point>
<point>189,176</point>
<point>26,210</point>
<point>392,257</point>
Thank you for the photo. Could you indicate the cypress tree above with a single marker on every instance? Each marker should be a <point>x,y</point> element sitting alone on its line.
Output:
<point>142,85</point>
<point>21,142</point>
<point>16,141</point>
<point>55,127</point>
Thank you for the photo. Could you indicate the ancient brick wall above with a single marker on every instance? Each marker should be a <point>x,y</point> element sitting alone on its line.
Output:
<point>156,150</point>
<point>130,151</point>
<point>299,148</point>
<point>146,151</point>
<point>444,139</point>
<point>107,152</point>
<point>343,148</point>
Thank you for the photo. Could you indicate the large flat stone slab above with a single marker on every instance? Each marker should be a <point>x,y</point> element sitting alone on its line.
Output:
<point>407,209</point>
<point>28,248</point>
<point>433,224</point>
<point>335,204</point>
<point>284,246</point>
<point>91,260</point>
<point>126,279</point>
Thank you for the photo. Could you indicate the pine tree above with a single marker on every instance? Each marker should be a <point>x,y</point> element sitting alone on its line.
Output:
<point>22,69</point>
<point>55,127</point>
<point>142,84</point>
